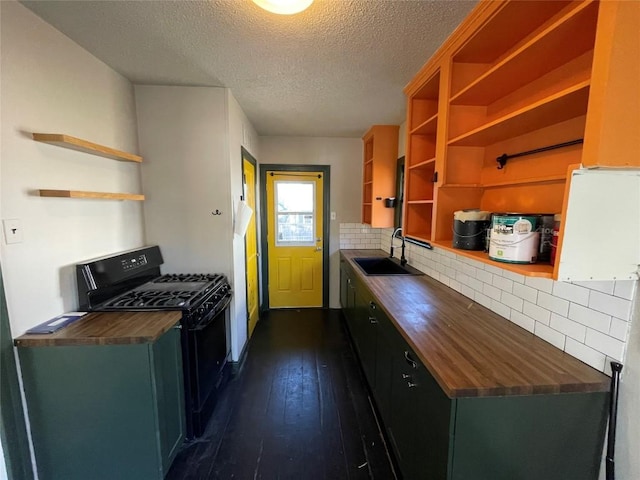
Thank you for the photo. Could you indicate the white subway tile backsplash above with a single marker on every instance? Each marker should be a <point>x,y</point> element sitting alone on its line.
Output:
<point>526,293</point>
<point>542,284</point>
<point>468,291</point>
<point>619,329</point>
<point>491,291</point>
<point>605,344</point>
<point>485,276</point>
<point>475,284</point>
<point>461,277</point>
<point>515,277</point>
<point>449,254</point>
<point>586,354</point>
<point>573,293</point>
<point>539,314</point>
<point>456,264</point>
<point>500,308</point>
<point>555,304</point>
<point>512,301</point>
<point>625,289</point>
<point>603,286</point>
<point>494,270</point>
<point>568,327</point>
<point>503,283</point>
<point>550,335</point>
<point>615,306</point>
<point>469,270</point>
<point>523,321</point>
<point>590,318</point>
<point>482,299</point>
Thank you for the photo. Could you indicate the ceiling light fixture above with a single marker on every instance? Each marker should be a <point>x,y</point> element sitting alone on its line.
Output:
<point>284,7</point>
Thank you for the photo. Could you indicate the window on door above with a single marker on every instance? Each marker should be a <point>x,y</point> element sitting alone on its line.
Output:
<point>295,215</point>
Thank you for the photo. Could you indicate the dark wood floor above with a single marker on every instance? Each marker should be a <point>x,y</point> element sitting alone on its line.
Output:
<point>298,409</point>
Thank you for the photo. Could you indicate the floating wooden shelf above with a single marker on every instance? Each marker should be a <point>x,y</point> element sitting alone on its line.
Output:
<point>528,270</point>
<point>573,31</point>
<point>418,202</point>
<point>561,106</point>
<point>73,143</point>
<point>81,194</point>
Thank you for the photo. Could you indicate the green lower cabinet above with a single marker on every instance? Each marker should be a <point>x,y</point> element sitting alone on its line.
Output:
<point>105,412</point>
<point>554,437</point>
<point>434,437</point>
<point>533,437</point>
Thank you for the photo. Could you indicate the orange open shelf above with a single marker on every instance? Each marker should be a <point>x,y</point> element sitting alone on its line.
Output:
<point>530,270</point>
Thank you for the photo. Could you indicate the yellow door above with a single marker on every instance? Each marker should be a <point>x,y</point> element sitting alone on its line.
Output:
<point>294,238</point>
<point>251,245</point>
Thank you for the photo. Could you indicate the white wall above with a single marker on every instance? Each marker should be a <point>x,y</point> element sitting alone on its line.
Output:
<point>49,84</point>
<point>182,134</point>
<point>402,139</point>
<point>344,155</point>
<point>191,139</point>
<point>628,435</point>
<point>241,134</point>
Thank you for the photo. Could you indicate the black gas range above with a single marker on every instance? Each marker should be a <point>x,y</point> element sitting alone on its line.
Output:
<point>132,281</point>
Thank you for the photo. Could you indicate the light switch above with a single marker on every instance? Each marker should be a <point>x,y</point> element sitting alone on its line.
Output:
<point>333,215</point>
<point>12,230</point>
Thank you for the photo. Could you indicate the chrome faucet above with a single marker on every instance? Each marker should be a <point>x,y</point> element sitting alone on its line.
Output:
<point>403,260</point>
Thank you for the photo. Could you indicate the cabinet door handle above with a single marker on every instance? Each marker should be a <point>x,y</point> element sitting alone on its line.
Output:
<point>411,384</point>
<point>372,305</point>
<point>405,376</point>
<point>410,360</point>
<point>373,320</point>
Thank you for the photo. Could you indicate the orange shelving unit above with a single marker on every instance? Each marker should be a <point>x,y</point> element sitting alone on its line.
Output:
<point>379,170</point>
<point>516,76</point>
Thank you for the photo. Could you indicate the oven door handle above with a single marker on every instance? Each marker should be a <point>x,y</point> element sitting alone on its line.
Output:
<point>225,304</point>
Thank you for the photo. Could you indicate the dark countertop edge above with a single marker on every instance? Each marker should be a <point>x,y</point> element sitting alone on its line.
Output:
<point>472,391</point>
<point>83,342</point>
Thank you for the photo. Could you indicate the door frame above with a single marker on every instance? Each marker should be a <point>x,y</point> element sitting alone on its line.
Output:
<point>326,172</point>
<point>244,153</point>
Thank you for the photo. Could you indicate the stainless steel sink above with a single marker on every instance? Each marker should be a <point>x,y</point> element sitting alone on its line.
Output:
<point>384,266</point>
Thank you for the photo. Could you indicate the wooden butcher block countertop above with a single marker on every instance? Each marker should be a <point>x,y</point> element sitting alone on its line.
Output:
<point>106,328</point>
<point>468,349</point>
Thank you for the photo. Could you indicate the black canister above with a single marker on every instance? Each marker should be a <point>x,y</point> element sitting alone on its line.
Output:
<point>470,229</point>
<point>546,224</point>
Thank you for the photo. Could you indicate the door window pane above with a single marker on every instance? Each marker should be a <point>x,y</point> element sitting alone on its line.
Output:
<point>295,215</point>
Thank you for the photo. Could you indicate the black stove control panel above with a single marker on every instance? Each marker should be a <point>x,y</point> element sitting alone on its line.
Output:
<point>133,263</point>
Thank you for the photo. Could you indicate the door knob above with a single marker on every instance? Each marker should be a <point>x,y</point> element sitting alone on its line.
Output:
<point>318,249</point>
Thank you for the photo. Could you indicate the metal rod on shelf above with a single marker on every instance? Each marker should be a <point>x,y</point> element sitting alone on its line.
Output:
<point>616,368</point>
<point>502,159</point>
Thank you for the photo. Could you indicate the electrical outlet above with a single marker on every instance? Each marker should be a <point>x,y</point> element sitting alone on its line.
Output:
<point>12,230</point>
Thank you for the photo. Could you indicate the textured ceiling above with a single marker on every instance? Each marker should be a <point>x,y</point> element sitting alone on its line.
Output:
<point>332,70</point>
